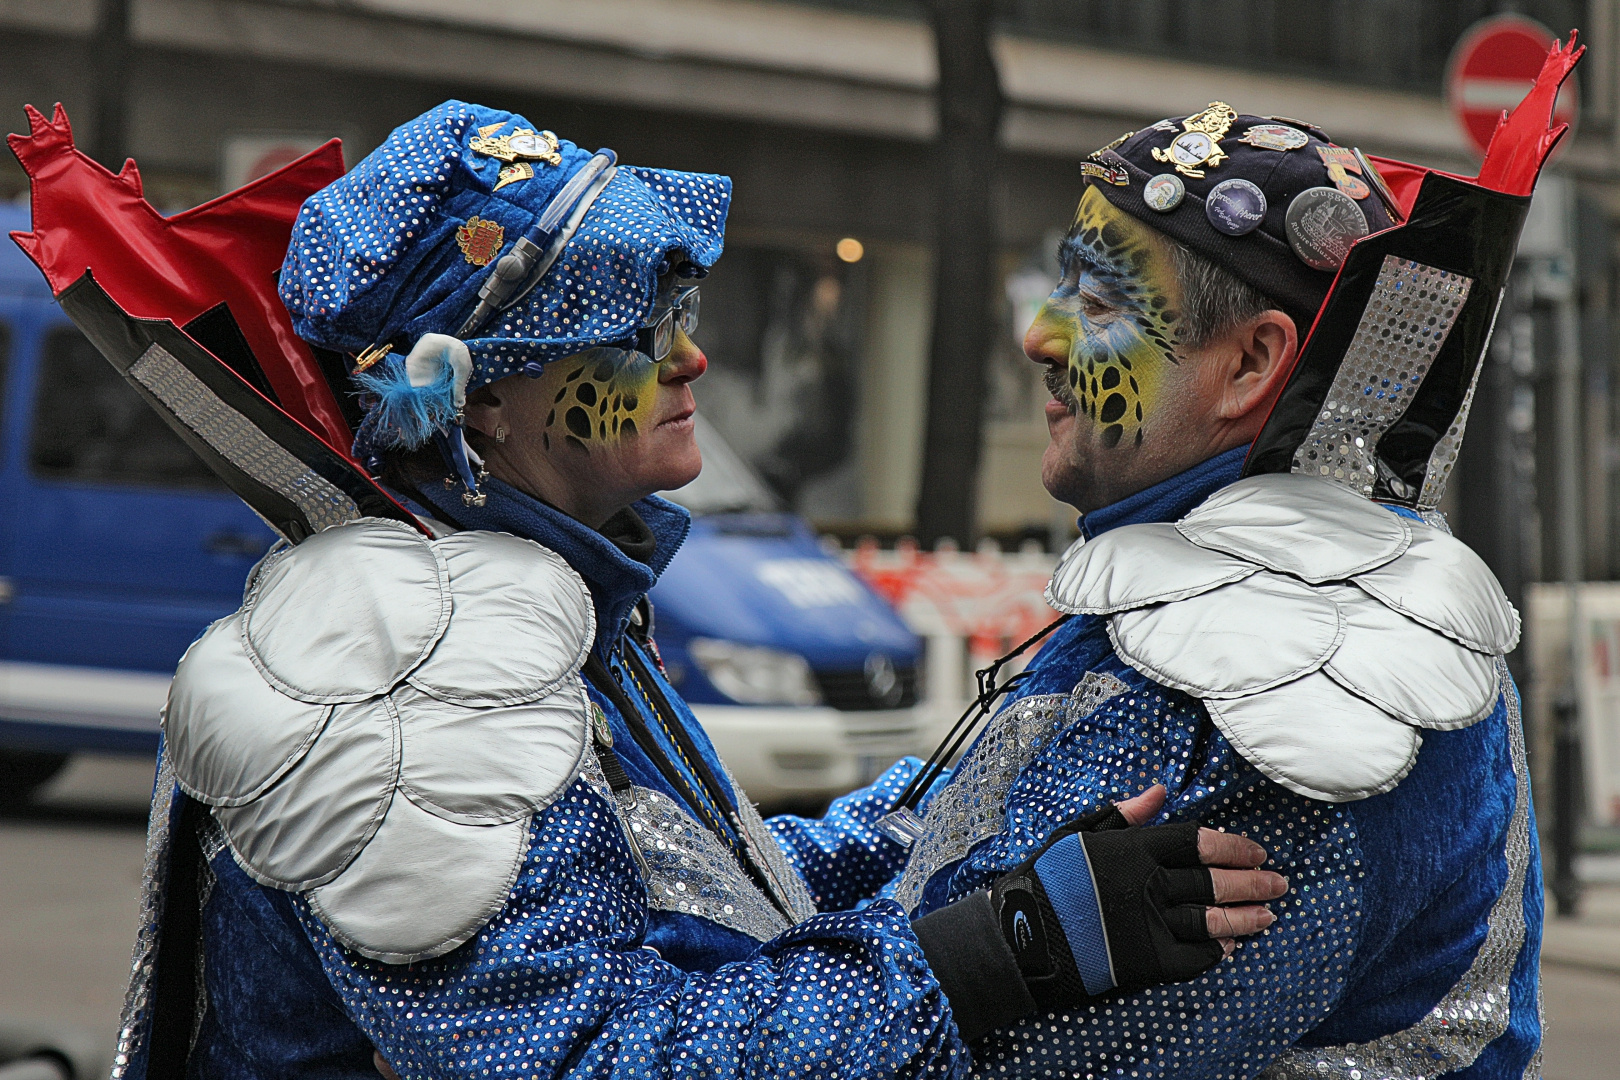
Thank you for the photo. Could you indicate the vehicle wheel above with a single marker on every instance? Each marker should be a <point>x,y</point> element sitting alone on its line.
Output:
<point>22,772</point>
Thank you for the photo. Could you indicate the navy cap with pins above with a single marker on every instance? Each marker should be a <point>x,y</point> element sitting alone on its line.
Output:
<point>1222,184</point>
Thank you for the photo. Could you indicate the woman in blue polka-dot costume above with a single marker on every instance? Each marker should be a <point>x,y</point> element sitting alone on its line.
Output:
<point>461,824</point>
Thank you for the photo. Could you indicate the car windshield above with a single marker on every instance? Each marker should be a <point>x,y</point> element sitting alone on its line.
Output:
<point>727,484</point>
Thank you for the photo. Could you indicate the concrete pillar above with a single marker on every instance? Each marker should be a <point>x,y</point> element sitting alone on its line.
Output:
<point>894,379</point>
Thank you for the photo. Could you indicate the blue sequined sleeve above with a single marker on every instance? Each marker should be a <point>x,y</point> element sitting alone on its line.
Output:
<point>841,856</point>
<point>1057,755</point>
<point>558,983</point>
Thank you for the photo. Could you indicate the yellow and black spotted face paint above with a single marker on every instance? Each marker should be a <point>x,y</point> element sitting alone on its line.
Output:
<point>599,397</point>
<point>1117,305</point>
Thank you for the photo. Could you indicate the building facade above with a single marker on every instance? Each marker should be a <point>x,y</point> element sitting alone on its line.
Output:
<point>823,114</point>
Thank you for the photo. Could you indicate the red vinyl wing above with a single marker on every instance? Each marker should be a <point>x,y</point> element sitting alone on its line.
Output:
<point>175,268</point>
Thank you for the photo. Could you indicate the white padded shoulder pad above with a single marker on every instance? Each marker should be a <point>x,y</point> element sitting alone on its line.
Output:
<point>1320,629</point>
<point>346,614</point>
<point>1297,525</point>
<point>381,721</point>
<point>1129,568</point>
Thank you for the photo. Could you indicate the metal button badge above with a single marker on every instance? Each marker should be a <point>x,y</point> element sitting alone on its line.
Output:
<point>1164,192</point>
<point>1235,207</point>
<point>1322,223</point>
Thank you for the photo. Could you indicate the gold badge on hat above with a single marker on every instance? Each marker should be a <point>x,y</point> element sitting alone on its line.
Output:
<point>524,144</point>
<point>520,170</point>
<point>480,240</point>
<point>1199,144</point>
<point>1340,164</point>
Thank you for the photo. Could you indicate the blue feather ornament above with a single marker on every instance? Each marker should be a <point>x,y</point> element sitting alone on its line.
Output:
<point>406,416</point>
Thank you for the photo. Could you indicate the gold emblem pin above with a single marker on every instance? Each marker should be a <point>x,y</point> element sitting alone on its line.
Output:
<point>520,170</point>
<point>480,240</point>
<point>523,144</point>
<point>1199,145</point>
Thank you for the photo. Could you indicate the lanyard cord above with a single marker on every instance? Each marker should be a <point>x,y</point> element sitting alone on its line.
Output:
<point>704,795</point>
<point>965,725</point>
<point>598,673</point>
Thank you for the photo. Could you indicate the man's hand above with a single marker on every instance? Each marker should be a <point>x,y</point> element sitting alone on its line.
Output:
<point>1106,906</point>
<point>1236,881</point>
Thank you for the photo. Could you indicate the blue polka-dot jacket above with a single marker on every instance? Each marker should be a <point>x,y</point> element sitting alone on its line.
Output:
<point>637,921</point>
<point>1407,946</point>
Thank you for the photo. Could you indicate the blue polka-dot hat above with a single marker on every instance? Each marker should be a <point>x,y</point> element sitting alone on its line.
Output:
<point>401,246</point>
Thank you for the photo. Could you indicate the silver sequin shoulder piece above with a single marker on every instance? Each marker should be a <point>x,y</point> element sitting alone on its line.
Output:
<point>1321,631</point>
<point>380,721</point>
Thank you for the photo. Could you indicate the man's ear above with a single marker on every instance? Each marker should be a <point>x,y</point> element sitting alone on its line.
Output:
<point>1263,358</point>
<point>483,410</point>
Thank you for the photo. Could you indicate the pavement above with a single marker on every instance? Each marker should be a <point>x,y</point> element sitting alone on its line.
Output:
<point>70,873</point>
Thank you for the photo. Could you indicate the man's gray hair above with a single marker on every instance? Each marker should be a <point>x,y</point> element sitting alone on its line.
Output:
<point>1213,300</point>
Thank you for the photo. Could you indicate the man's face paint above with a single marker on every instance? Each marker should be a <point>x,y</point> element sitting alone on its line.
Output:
<point>1117,307</point>
<point>599,397</point>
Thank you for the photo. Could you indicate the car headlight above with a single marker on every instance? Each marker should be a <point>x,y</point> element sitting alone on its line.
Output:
<point>755,675</point>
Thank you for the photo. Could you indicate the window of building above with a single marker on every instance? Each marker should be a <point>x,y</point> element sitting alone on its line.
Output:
<point>90,425</point>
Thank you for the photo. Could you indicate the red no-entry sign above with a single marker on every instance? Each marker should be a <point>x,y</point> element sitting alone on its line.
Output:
<point>1493,66</point>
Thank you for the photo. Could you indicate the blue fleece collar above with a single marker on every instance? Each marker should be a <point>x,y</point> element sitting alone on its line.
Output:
<point>616,580</point>
<point>1168,500</point>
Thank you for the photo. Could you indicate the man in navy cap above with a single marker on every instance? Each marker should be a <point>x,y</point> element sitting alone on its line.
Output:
<point>1266,614</point>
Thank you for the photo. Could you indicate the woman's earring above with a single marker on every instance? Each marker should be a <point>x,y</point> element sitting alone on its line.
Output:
<point>500,433</point>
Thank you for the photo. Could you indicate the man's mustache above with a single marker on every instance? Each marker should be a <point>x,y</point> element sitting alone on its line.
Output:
<point>1057,384</point>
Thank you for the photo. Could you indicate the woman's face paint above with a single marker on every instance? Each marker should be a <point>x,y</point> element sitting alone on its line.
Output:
<point>1116,311</point>
<point>599,397</point>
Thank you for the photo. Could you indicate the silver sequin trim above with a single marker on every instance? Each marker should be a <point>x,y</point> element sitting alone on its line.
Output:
<point>239,442</point>
<point>686,869</point>
<point>1407,318</point>
<point>789,886</point>
<point>690,871</point>
<point>973,806</point>
<point>1474,1012</point>
<point>133,1025</point>
<point>1444,456</point>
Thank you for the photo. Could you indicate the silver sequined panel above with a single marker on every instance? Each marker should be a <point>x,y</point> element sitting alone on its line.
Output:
<point>1444,456</point>
<point>688,870</point>
<point>239,442</point>
<point>1474,1012</point>
<point>133,1025</point>
<point>789,886</point>
<point>973,805</point>
<point>1412,309</point>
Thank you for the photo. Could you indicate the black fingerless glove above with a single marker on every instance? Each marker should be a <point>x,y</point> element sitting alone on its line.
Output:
<point>1099,909</point>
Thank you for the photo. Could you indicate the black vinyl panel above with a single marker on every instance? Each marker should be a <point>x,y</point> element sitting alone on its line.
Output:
<point>122,339</point>
<point>1456,227</point>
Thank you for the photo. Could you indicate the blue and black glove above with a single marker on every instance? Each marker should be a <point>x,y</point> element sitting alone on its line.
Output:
<point>1100,909</point>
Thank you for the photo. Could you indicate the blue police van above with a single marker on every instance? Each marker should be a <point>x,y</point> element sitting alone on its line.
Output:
<point>118,546</point>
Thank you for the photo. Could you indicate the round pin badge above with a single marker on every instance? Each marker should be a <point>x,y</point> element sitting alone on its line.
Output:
<point>1322,223</point>
<point>1235,207</point>
<point>1164,192</point>
<point>1275,137</point>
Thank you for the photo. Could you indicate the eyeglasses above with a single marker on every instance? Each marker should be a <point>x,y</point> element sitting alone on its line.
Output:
<point>657,337</point>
